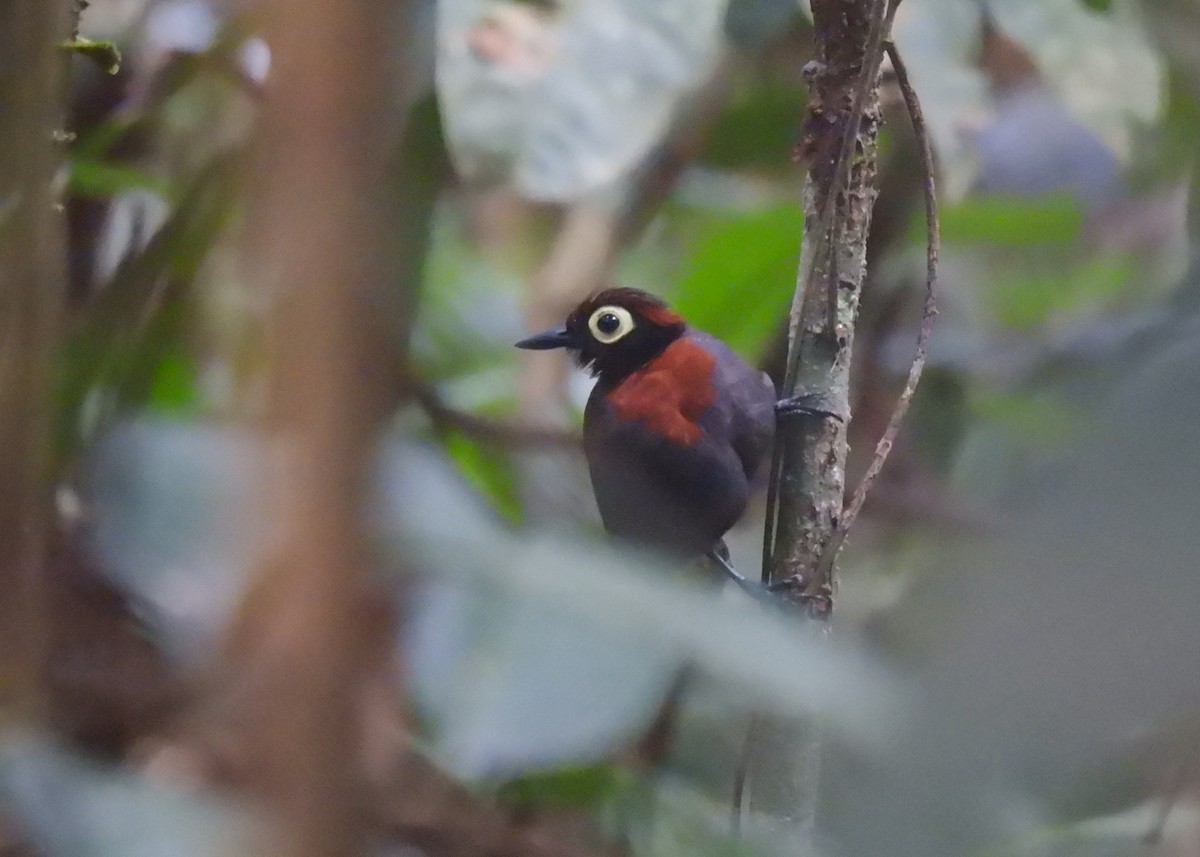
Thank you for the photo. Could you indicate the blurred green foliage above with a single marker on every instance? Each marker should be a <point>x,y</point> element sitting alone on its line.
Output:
<point>1025,300</point>
<point>566,786</point>
<point>1020,272</point>
<point>110,360</point>
<point>1008,221</point>
<point>96,178</point>
<point>103,52</point>
<point>758,125</point>
<point>490,471</point>
<point>740,272</point>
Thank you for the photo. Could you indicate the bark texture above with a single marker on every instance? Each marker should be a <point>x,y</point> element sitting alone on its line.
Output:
<point>839,151</point>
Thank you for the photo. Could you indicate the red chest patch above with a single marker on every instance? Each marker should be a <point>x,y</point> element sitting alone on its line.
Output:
<point>670,393</point>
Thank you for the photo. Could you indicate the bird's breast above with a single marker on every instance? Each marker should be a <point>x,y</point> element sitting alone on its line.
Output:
<point>670,393</point>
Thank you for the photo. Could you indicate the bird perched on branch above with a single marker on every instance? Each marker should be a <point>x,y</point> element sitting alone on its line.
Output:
<point>676,427</point>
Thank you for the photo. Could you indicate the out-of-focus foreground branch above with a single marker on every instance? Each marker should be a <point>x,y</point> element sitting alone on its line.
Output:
<point>32,292</point>
<point>305,641</point>
<point>307,713</point>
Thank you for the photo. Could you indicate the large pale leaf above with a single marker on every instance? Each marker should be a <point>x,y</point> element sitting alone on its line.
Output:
<point>565,103</point>
<point>175,524</point>
<point>71,806</point>
<point>1101,68</point>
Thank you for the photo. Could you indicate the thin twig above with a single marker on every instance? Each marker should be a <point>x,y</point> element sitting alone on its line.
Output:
<point>929,314</point>
<point>447,417</point>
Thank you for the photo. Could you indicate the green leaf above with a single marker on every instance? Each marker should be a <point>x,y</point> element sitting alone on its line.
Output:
<point>71,805</point>
<point>1012,221</point>
<point>758,126</point>
<point>550,627</point>
<point>94,178</point>
<point>1025,299</point>
<point>568,786</point>
<point>490,471</point>
<point>103,53</point>
<point>173,383</point>
<point>1043,419</point>
<point>139,317</point>
<point>740,274</point>
<point>511,681</point>
<point>669,819</point>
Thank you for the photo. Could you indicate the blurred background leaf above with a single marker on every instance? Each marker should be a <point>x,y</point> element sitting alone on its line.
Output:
<point>71,805</point>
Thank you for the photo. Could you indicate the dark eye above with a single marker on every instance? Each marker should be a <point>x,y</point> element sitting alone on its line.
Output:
<point>610,323</point>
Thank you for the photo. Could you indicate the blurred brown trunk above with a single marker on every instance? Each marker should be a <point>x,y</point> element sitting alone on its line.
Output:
<point>32,292</point>
<point>305,641</point>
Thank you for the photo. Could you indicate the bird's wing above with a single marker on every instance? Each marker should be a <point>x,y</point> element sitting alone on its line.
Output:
<point>653,490</point>
<point>744,410</point>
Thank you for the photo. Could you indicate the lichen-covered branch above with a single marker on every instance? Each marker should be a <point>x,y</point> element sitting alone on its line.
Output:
<point>809,465</point>
<point>839,150</point>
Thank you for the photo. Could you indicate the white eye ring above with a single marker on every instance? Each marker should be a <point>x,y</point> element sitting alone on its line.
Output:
<point>624,324</point>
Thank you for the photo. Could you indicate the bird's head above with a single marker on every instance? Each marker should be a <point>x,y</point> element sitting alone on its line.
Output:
<point>614,332</point>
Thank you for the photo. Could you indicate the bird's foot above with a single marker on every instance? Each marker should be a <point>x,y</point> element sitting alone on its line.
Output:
<point>807,405</point>
<point>794,592</point>
<point>719,555</point>
<point>791,591</point>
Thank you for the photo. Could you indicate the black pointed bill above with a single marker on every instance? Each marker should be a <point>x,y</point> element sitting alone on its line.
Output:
<point>556,337</point>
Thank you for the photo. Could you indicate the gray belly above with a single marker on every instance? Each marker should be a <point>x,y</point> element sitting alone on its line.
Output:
<point>679,499</point>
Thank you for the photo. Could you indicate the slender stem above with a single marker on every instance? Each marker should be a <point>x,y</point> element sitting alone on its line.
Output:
<point>928,315</point>
<point>32,300</point>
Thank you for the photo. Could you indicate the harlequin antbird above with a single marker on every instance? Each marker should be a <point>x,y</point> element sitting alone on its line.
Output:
<point>676,427</point>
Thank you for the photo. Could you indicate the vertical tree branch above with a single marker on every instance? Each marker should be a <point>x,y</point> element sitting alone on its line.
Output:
<point>32,292</point>
<point>301,647</point>
<point>839,147</point>
<point>808,468</point>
